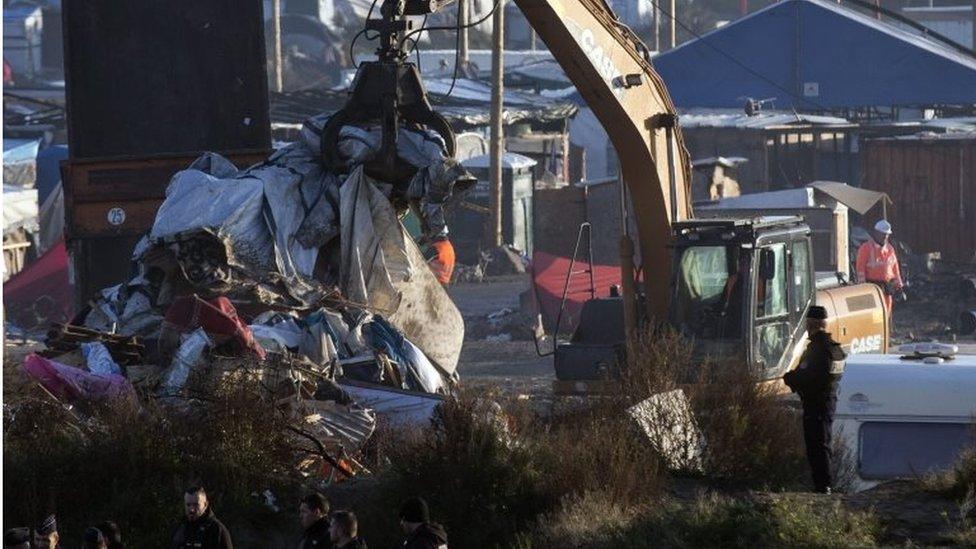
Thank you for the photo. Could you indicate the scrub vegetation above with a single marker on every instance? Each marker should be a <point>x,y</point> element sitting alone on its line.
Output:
<point>496,472</point>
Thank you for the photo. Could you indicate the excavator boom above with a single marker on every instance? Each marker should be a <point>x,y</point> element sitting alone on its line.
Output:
<point>611,70</point>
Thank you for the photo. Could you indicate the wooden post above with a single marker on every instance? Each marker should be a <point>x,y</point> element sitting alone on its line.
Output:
<point>497,137</point>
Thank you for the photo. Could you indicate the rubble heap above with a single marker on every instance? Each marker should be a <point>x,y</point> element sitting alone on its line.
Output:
<point>286,270</point>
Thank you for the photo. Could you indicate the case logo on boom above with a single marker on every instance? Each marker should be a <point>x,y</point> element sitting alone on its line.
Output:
<point>597,56</point>
<point>866,344</point>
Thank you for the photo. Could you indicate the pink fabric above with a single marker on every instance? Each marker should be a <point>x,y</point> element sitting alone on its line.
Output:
<point>73,384</point>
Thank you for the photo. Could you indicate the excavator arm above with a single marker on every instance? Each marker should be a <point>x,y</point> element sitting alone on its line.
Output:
<point>609,66</point>
<point>611,70</point>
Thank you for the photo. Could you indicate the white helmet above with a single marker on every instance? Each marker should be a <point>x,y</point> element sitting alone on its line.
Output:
<point>883,226</point>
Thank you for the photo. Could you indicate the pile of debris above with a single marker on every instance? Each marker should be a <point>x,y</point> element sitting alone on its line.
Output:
<point>941,302</point>
<point>293,273</point>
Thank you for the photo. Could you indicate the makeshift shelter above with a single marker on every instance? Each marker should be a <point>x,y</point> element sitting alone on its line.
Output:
<point>932,181</point>
<point>782,149</point>
<point>816,55</point>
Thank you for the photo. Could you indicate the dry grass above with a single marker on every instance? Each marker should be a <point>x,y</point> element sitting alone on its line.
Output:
<point>708,521</point>
<point>752,438</point>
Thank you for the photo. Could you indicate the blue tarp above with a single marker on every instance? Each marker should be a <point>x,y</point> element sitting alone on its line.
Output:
<point>49,170</point>
<point>816,55</point>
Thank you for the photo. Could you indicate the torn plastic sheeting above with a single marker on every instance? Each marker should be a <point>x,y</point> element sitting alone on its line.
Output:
<point>396,407</point>
<point>74,384</point>
<point>428,190</point>
<point>230,210</point>
<point>419,148</point>
<point>188,356</point>
<point>99,360</point>
<point>318,344</point>
<point>301,199</point>
<point>243,231</point>
<point>428,316</point>
<point>284,335</point>
<point>382,267</point>
<point>124,309</point>
<point>373,255</point>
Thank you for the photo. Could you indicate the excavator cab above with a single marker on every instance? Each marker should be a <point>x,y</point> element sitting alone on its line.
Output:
<point>741,287</point>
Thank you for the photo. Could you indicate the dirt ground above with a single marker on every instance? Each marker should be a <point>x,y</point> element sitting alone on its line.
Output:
<point>932,311</point>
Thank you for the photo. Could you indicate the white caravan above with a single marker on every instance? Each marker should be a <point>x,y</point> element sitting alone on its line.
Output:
<point>905,415</point>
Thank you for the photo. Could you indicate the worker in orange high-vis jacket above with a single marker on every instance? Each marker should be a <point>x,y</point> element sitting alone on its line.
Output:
<point>877,263</point>
<point>442,264</point>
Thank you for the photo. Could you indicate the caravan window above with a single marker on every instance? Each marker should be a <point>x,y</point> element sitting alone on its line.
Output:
<point>894,450</point>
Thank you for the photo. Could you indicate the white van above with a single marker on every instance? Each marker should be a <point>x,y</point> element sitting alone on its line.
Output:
<point>905,415</point>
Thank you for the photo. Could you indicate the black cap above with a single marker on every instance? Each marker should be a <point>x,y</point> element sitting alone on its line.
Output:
<point>415,510</point>
<point>47,526</point>
<point>17,536</point>
<point>94,535</point>
<point>817,312</point>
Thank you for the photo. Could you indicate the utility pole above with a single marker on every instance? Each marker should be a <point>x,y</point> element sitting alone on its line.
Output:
<point>657,28</point>
<point>463,17</point>
<point>496,147</point>
<point>672,36</point>
<point>276,22</point>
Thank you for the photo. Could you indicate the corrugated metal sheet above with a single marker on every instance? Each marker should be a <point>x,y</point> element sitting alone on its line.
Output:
<point>932,184</point>
<point>736,118</point>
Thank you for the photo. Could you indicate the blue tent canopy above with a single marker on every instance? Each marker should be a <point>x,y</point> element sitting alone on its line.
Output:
<point>816,55</point>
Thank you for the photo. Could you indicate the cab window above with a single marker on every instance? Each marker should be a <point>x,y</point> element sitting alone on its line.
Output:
<point>709,291</point>
<point>801,275</point>
<point>771,293</point>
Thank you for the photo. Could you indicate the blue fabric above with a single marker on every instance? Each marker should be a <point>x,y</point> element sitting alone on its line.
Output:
<point>386,339</point>
<point>853,59</point>
<point>49,170</point>
<point>417,372</point>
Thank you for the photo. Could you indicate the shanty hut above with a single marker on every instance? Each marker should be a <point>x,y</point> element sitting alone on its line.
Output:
<point>931,179</point>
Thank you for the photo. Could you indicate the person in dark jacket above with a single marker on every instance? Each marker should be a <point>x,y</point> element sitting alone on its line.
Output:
<point>112,533</point>
<point>17,538</point>
<point>344,531</point>
<point>46,534</point>
<point>94,539</point>
<point>814,379</point>
<point>200,529</point>
<point>313,514</point>
<point>421,533</point>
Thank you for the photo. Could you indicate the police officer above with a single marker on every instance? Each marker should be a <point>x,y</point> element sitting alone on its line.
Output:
<point>814,380</point>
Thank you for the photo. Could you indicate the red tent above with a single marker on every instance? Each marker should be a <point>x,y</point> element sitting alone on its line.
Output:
<point>41,293</point>
<point>549,278</point>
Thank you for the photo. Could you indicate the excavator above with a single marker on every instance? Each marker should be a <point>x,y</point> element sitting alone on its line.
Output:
<point>737,286</point>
